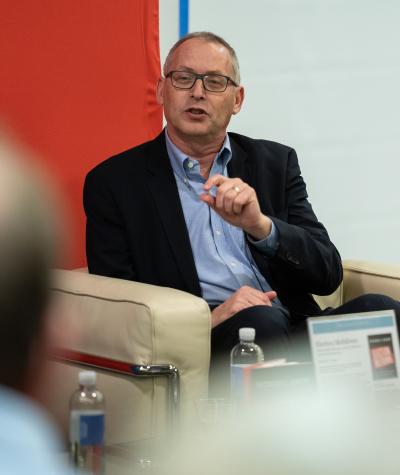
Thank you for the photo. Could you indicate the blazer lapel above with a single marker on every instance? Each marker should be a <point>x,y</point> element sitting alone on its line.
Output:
<point>238,165</point>
<point>165,193</point>
<point>245,168</point>
<point>241,166</point>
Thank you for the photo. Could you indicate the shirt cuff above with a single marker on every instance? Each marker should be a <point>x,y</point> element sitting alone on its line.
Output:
<point>268,245</point>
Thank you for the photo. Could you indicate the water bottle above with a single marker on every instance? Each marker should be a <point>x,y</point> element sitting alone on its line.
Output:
<point>244,354</point>
<point>87,426</point>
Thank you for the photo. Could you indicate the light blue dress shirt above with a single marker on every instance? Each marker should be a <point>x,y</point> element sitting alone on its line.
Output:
<point>29,444</point>
<point>221,254</point>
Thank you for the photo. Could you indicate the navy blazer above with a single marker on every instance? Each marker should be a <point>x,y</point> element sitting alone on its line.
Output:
<point>136,228</point>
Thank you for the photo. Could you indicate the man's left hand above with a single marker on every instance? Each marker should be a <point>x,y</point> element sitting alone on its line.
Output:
<point>236,202</point>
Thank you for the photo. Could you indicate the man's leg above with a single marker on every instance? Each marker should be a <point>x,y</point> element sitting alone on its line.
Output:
<point>367,303</point>
<point>300,343</point>
<point>272,328</point>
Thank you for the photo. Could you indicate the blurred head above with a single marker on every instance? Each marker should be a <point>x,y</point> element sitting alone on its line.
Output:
<point>27,245</point>
<point>201,110</point>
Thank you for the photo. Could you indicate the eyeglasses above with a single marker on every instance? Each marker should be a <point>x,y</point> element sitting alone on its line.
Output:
<point>211,82</point>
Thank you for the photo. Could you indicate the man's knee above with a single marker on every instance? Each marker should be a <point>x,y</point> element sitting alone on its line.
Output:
<point>267,321</point>
<point>374,302</point>
<point>272,327</point>
<point>380,299</point>
<point>270,323</point>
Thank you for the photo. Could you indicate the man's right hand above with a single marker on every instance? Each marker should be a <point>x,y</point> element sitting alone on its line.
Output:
<point>243,298</point>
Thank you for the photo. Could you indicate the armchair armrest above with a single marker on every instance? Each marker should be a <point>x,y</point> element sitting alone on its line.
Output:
<point>143,325</point>
<point>364,277</point>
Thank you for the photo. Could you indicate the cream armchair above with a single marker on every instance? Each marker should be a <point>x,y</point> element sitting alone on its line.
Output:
<point>150,346</point>
<point>126,329</point>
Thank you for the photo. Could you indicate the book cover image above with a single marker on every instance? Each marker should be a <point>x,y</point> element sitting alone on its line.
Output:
<point>382,356</point>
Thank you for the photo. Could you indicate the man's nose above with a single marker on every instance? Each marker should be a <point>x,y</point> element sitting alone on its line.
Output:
<point>198,88</point>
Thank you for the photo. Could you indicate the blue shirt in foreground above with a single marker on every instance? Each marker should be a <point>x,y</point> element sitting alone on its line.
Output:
<point>29,444</point>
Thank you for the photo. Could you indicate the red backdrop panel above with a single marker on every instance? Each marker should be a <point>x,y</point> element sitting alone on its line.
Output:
<point>77,84</point>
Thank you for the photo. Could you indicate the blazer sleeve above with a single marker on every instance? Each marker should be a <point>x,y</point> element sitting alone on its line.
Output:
<point>107,248</point>
<point>306,260</point>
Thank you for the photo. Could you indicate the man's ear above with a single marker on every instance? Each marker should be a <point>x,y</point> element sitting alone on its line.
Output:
<point>239,98</point>
<point>160,91</point>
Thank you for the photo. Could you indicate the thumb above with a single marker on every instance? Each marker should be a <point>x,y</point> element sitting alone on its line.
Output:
<point>271,294</point>
<point>207,198</point>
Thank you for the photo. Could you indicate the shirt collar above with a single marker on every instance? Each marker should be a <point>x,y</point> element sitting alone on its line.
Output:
<point>178,158</point>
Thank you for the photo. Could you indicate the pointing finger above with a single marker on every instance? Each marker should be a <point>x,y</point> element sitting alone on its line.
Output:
<point>215,180</point>
<point>207,198</point>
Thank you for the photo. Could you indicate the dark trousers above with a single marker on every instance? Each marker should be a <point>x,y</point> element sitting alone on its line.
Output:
<point>277,334</point>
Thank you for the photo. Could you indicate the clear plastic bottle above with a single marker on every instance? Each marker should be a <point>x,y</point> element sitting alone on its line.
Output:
<point>245,353</point>
<point>86,432</point>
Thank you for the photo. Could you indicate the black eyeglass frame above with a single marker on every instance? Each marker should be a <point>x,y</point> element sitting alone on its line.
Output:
<point>197,76</point>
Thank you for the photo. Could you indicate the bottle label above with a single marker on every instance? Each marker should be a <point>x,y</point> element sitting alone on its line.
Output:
<point>238,389</point>
<point>87,427</point>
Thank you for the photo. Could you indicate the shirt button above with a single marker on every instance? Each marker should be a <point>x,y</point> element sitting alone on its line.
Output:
<point>218,233</point>
<point>190,164</point>
<point>186,181</point>
<point>233,264</point>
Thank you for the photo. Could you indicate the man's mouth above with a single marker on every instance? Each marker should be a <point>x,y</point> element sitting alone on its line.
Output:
<point>196,111</point>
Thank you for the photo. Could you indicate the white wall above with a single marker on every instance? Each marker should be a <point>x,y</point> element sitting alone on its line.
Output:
<point>322,76</point>
<point>169,25</point>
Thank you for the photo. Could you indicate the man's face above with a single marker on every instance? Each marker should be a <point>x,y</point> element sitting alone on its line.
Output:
<point>196,114</point>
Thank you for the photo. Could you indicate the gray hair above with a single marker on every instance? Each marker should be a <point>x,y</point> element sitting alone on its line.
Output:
<point>210,38</point>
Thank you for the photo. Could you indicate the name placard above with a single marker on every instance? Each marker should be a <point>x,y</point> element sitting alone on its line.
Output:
<point>356,350</point>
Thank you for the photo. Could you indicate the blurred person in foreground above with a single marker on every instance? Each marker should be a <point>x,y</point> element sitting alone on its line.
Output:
<point>294,435</point>
<point>220,215</point>
<point>28,439</point>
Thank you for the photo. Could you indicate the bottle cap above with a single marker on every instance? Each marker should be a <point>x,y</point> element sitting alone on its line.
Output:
<point>247,334</point>
<point>87,378</point>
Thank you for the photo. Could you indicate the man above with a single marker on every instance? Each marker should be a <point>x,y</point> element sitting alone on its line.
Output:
<point>28,440</point>
<point>219,215</point>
